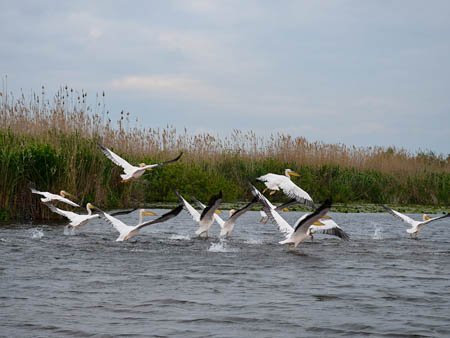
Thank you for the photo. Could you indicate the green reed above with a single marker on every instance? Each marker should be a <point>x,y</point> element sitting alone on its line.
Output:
<point>52,144</point>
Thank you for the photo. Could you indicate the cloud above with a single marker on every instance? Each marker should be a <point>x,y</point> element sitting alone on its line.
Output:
<point>182,87</point>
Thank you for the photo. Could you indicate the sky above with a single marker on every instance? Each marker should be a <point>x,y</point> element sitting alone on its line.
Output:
<point>364,73</point>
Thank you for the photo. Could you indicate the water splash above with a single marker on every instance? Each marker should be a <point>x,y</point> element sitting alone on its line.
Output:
<point>377,234</point>
<point>37,233</point>
<point>221,247</point>
<point>69,230</point>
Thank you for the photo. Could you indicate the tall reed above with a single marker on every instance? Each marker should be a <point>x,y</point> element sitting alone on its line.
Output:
<point>52,144</point>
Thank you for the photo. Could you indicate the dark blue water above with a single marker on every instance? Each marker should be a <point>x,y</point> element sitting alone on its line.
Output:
<point>168,283</point>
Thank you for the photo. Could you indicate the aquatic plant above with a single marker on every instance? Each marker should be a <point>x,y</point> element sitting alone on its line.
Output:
<point>53,145</point>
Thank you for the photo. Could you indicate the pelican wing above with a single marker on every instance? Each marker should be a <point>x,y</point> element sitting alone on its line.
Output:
<point>166,162</point>
<point>403,217</point>
<point>436,218</point>
<point>194,213</point>
<point>115,222</point>
<point>273,215</point>
<point>211,208</point>
<point>287,204</point>
<point>329,227</point>
<point>54,197</point>
<point>123,212</point>
<point>294,191</point>
<point>304,222</point>
<point>116,159</point>
<point>68,214</point>
<point>168,215</point>
<point>218,219</point>
<point>243,210</point>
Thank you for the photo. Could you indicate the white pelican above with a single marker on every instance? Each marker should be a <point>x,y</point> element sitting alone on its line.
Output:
<point>301,229</point>
<point>126,231</point>
<point>49,197</point>
<point>226,227</point>
<point>76,220</point>
<point>282,207</point>
<point>276,182</point>
<point>206,218</point>
<point>131,171</point>
<point>326,225</point>
<point>416,226</point>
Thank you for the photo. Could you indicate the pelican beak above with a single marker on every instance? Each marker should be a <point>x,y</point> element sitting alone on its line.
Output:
<point>285,209</point>
<point>293,173</point>
<point>148,213</point>
<point>218,212</point>
<point>425,217</point>
<point>318,223</point>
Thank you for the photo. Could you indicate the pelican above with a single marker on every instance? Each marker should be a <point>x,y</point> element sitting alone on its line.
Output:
<point>126,231</point>
<point>301,229</point>
<point>226,227</point>
<point>326,225</point>
<point>49,197</point>
<point>76,220</point>
<point>276,182</point>
<point>206,218</point>
<point>416,226</point>
<point>282,207</point>
<point>131,171</point>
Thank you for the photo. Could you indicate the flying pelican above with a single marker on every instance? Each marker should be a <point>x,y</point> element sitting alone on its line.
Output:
<point>226,227</point>
<point>76,220</point>
<point>326,225</point>
<point>49,197</point>
<point>282,207</point>
<point>206,218</point>
<point>126,231</point>
<point>131,171</point>
<point>276,182</point>
<point>416,226</point>
<point>301,229</point>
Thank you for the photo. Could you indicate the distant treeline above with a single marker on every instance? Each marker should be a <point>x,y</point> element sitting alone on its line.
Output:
<point>52,144</point>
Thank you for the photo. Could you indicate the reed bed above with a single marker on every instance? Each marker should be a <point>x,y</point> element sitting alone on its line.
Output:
<point>51,143</point>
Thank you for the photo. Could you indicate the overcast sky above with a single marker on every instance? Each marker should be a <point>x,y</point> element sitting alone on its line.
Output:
<point>355,72</point>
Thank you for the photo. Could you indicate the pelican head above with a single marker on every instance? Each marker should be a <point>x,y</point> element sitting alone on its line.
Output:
<point>90,206</point>
<point>290,172</point>
<point>142,165</point>
<point>64,193</point>
<point>425,217</point>
<point>231,212</point>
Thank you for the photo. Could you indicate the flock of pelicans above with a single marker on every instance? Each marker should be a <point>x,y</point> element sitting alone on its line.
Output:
<point>304,228</point>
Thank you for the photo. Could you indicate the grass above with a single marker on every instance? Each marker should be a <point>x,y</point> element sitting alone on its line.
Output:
<point>52,144</point>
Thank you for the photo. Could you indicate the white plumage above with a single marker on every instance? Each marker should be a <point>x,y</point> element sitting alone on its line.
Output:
<point>276,182</point>
<point>76,220</point>
<point>131,171</point>
<point>49,197</point>
<point>416,226</point>
<point>127,232</point>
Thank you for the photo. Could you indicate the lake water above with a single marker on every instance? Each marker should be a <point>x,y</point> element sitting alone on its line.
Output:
<point>168,283</point>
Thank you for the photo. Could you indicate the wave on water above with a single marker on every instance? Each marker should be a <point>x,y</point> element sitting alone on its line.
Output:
<point>253,241</point>
<point>180,237</point>
<point>221,247</point>
<point>37,233</point>
<point>377,234</point>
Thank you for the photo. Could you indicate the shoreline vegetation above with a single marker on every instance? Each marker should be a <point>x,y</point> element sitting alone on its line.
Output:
<point>52,143</point>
